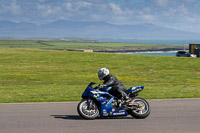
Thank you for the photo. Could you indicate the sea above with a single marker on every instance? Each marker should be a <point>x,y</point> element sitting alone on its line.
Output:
<point>160,53</point>
<point>162,42</point>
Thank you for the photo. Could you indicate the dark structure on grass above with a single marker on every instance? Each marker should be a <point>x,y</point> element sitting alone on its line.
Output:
<point>194,49</point>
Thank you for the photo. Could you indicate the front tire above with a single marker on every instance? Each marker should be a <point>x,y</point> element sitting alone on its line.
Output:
<point>87,112</point>
<point>142,110</point>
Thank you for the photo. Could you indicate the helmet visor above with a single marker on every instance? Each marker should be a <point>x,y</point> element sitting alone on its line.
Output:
<point>101,76</point>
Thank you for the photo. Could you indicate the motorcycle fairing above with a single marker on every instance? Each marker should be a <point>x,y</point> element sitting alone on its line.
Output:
<point>105,99</point>
<point>139,88</point>
<point>108,110</point>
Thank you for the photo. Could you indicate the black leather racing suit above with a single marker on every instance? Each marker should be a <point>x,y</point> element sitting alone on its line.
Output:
<point>117,89</point>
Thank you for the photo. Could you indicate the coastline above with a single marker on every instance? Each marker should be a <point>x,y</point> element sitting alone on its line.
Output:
<point>141,50</point>
<point>150,52</point>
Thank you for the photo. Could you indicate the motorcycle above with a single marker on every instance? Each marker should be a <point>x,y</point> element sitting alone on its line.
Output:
<point>97,102</point>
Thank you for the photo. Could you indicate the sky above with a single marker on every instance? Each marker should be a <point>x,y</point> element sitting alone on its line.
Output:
<point>177,14</point>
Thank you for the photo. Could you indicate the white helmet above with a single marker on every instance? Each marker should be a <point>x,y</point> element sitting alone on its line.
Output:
<point>102,73</point>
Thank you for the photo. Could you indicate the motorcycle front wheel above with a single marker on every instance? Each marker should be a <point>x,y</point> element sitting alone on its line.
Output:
<point>86,111</point>
<point>141,108</point>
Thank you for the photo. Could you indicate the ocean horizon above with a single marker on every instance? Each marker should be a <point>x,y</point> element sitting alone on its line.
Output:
<point>162,42</point>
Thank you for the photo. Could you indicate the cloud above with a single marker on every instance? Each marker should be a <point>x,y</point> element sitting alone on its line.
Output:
<point>15,8</point>
<point>12,8</point>
<point>76,6</point>
<point>69,7</point>
<point>149,18</point>
<point>160,2</point>
<point>174,13</point>
<point>120,14</point>
<point>84,4</point>
<point>184,10</point>
<point>190,1</point>
<point>46,9</point>
<point>116,9</point>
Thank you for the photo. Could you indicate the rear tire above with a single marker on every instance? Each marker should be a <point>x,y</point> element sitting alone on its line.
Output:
<point>142,110</point>
<point>85,112</point>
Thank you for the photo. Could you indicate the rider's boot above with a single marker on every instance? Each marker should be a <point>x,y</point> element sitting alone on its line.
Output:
<point>119,103</point>
<point>126,98</point>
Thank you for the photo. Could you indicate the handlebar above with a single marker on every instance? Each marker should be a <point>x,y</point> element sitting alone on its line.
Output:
<point>98,87</point>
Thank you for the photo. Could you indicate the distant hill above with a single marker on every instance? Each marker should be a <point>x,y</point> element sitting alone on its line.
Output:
<point>92,29</point>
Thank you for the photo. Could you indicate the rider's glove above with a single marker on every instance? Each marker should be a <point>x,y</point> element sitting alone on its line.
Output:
<point>102,86</point>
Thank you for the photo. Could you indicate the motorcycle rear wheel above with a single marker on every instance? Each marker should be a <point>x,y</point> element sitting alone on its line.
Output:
<point>87,112</point>
<point>142,110</point>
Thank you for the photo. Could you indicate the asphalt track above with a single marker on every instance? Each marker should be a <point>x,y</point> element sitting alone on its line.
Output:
<point>167,116</point>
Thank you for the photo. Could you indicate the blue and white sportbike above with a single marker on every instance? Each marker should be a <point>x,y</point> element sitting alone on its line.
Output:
<point>97,102</point>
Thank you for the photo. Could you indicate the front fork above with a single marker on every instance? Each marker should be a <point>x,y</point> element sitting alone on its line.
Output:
<point>89,103</point>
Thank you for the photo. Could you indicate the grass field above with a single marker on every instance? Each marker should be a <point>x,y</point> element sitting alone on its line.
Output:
<point>81,45</point>
<point>34,75</point>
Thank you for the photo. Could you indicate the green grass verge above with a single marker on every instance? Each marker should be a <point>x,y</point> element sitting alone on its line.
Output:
<point>33,75</point>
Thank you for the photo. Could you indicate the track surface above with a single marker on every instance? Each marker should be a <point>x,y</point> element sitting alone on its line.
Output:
<point>167,116</point>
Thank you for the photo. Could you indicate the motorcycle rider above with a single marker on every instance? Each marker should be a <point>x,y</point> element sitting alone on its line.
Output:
<point>117,90</point>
